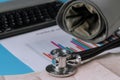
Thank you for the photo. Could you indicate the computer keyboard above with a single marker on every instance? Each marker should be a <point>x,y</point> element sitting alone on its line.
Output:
<point>28,19</point>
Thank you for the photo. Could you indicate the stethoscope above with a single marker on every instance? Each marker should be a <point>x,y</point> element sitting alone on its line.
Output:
<point>64,62</point>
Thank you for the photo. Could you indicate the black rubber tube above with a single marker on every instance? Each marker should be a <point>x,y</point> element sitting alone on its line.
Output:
<point>96,51</point>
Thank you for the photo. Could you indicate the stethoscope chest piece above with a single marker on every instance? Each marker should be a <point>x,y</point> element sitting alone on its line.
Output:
<point>61,72</point>
<point>60,66</point>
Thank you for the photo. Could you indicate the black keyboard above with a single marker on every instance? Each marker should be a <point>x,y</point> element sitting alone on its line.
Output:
<point>28,19</point>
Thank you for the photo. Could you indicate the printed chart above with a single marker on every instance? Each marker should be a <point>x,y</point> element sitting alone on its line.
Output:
<point>53,38</point>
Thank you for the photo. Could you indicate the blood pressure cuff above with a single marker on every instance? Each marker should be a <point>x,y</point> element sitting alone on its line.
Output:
<point>90,20</point>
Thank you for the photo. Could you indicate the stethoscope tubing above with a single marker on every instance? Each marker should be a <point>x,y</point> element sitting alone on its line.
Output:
<point>87,54</point>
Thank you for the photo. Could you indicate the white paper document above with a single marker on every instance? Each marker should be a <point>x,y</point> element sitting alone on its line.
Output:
<point>33,49</point>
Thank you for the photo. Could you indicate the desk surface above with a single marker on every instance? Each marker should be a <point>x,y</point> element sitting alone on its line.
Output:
<point>104,68</point>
